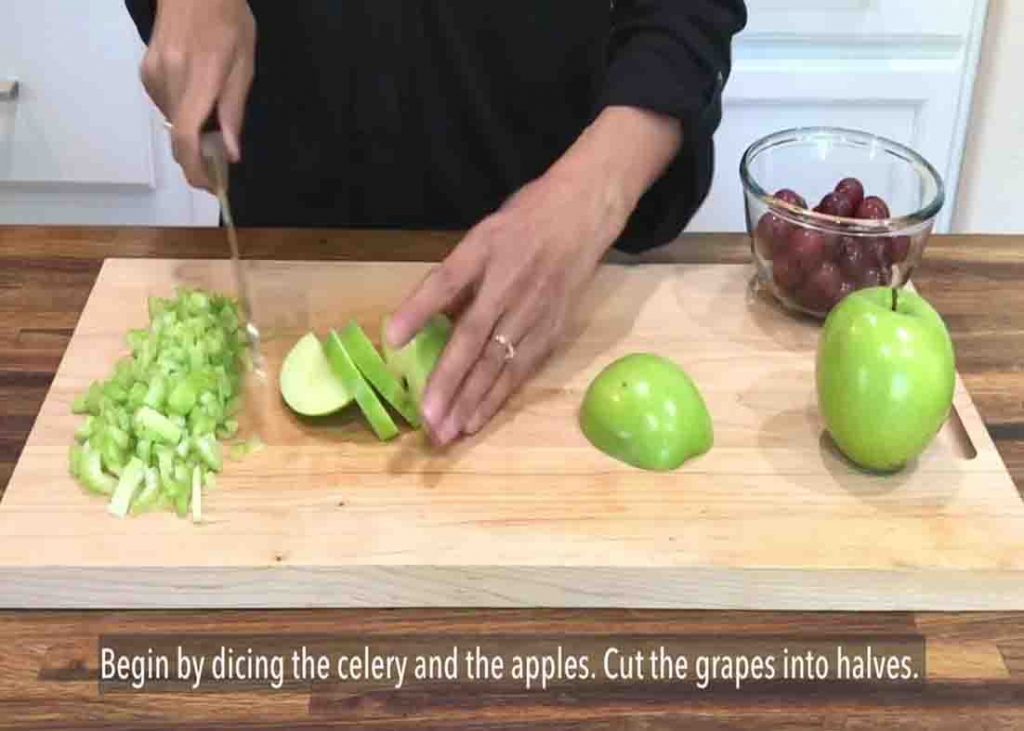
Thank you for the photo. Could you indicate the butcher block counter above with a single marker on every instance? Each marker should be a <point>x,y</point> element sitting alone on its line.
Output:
<point>974,660</point>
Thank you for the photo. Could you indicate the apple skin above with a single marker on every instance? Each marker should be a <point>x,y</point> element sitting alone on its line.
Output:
<point>885,379</point>
<point>645,411</point>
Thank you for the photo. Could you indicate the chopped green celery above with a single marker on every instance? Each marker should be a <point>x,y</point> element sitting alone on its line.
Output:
<point>158,425</point>
<point>227,429</point>
<point>210,481</point>
<point>118,436</point>
<point>244,449</point>
<point>150,493</point>
<point>181,503</point>
<point>202,424</point>
<point>209,452</point>
<point>144,450</point>
<point>130,481</point>
<point>88,403</point>
<point>197,494</point>
<point>92,476</point>
<point>137,395</point>
<point>182,397</point>
<point>111,457</point>
<point>85,429</point>
<point>156,393</point>
<point>75,460</point>
<point>115,392</point>
<point>182,449</point>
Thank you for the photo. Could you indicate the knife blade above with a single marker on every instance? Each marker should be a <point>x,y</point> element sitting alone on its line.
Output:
<point>216,158</point>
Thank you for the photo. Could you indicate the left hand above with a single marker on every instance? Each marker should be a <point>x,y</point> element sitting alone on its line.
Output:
<point>516,275</point>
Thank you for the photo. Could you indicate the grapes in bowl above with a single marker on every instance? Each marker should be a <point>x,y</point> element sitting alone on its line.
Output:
<point>876,206</point>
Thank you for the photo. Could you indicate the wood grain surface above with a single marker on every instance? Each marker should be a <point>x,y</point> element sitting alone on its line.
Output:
<point>527,513</point>
<point>976,661</point>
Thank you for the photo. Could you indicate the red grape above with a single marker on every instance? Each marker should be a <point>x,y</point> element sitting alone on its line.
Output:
<point>852,261</point>
<point>876,252</point>
<point>873,208</point>
<point>897,248</point>
<point>786,273</point>
<point>836,204</point>
<point>832,247</point>
<point>772,235</point>
<point>791,197</point>
<point>853,189</point>
<point>808,248</point>
<point>821,290</point>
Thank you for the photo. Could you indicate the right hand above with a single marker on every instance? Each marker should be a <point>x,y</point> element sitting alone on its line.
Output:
<point>201,58</point>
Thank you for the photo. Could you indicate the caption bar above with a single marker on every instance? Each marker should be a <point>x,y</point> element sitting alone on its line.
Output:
<point>150,664</point>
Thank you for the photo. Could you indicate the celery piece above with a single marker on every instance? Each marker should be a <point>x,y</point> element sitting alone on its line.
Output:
<point>144,450</point>
<point>197,495</point>
<point>209,452</point>
<point>182,398</point>
<point>150,493</point>
<point>156,393</point>
<point>85,429</point>
<point>158,425</point>
<point>132,477</point>
<point>118,436</point>
<point>227,429</point>
<point>181,503</point>
<point>92,476</point>
<point>112,457</point>
<point>115,392</point>
<point>74,460</point>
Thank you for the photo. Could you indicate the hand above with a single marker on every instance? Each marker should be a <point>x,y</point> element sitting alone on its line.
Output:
<point>201,57</point>
<point>517,274</point>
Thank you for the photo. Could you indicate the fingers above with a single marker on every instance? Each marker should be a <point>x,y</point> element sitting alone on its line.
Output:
<point>194,107</point>
<point>489,366</point>
<point>444,289</point>
<point>529,357</point>
<point>231,106</point>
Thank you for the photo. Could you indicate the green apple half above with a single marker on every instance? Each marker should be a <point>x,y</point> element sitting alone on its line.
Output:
<point>372,367</point>
<point>645,411</point>
<point>885,376</point>
<point>415,361</point>
<point>341,362</point>
<point>308,385</point>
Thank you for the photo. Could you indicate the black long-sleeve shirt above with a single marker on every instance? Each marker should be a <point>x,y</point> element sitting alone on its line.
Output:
<point>430,113</point>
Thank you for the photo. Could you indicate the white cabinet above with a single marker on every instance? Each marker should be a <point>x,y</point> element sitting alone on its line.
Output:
<point>81,143</point>
<point>902,69</point>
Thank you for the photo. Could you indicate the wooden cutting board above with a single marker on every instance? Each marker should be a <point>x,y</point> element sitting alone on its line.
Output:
<point>527,513</point>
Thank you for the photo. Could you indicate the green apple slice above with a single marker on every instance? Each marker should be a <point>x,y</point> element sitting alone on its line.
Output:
<point>373,369</point>
<point>380,421</point>
<point>308,385</point>
<point>415,361</point>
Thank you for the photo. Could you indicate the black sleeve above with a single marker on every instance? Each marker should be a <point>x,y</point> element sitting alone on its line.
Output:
<point>143,12</point>
<point>672,57</point>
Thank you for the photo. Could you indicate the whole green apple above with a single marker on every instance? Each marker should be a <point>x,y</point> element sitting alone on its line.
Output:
<point>645,411</point>
<point>885,376</point>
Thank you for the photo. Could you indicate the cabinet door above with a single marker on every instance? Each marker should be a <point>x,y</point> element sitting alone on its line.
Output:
<point>901,70</point>
<point>81,143</point>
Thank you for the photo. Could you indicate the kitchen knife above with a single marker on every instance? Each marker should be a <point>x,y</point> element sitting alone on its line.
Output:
<point>216,158</point>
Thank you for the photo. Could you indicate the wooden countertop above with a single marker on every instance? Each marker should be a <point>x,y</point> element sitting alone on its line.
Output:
<point>975,660</point>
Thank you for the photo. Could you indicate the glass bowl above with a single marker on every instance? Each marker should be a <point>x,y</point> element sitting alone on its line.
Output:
<point>811,259</point>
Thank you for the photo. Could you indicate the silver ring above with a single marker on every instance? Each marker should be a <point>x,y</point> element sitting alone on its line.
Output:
<point>168,126</point>
<point>510,349</point>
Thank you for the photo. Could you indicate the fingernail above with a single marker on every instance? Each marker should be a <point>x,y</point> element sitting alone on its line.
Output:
<point>431,413</point>
<point>449,431</point>
<point>392,336</point>
<point>473,425</point>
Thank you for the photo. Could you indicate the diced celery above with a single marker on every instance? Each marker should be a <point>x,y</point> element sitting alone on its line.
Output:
<point>144,450</point>
<point>158,425</point>
<point>75,460</point>
<point>182,397</point>
<point>156,393</point>
<point>85,429</point>
<point>132,477</point>
<point>150,493</point>
<point>92,476</point>
<point>209,452</point>
<point>118,436</point>
<point>111,456</point>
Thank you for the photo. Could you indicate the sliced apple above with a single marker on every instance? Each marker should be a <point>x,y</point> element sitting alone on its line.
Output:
<point>373,369</point>
<point>341,362</point>
<point>415,361</point>
<point>308,385</point>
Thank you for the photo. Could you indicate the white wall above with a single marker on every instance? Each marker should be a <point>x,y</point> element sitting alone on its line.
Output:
<point>992,180</point>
